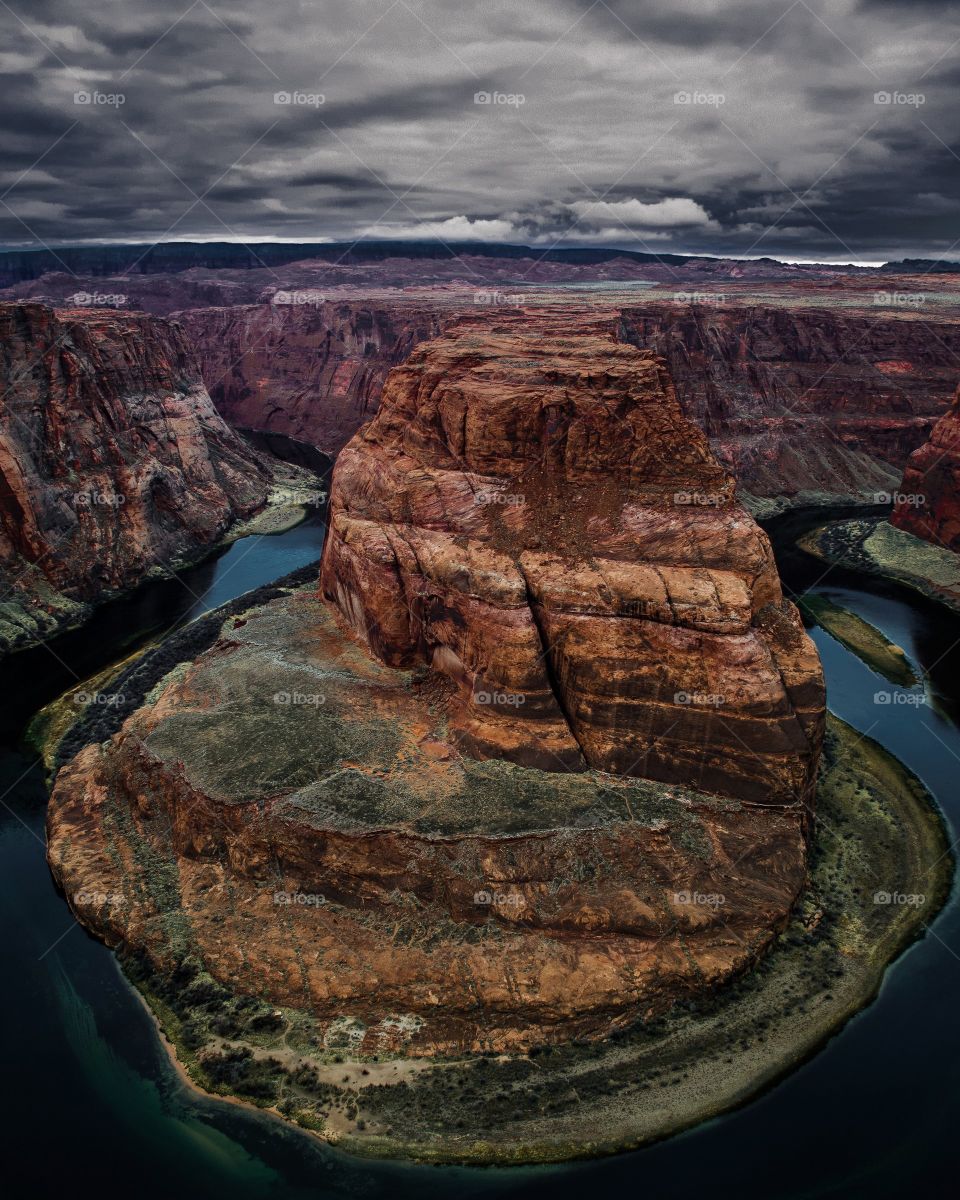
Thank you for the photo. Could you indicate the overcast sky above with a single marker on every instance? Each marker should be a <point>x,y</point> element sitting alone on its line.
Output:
<point>722,126</point>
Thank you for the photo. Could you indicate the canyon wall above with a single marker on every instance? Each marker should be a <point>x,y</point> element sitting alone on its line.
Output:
<point>804,399</point>
<point>794,399</point>
<point>113,462</point>
<point>928,501</point>
<point>313,370</point>
<point>531,515</point>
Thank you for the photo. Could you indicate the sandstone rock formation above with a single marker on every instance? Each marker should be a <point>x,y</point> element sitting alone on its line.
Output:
<point>531,515</point>
<point>794,398</point>
<point>804,399</point>
<point>559,780</point>
<point>928,500</point>
<point>113,461</point>
<point>312,370</point>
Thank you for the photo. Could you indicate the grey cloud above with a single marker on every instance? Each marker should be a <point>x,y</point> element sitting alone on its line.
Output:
<point>598,118</point>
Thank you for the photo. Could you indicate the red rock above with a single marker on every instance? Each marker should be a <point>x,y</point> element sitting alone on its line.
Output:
<point>928,501</point>
<point>803,398</point>
<point>531,515</point>
<point>313,371</point>
<point>113,461</point>
<point>326,859</point>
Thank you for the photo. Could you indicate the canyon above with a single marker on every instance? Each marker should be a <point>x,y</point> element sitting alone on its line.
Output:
<point>114,464</point>
<point>813,384</point>
<point>799,402</point>
<point>805,400</point>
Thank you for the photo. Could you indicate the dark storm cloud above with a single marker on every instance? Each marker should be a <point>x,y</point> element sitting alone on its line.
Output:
<point>738,127</point>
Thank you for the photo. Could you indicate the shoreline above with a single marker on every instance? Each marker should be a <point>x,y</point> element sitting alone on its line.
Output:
<point>286,506</point>
<point>875,548</point>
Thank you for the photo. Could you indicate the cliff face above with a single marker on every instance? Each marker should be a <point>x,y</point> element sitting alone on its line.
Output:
<point>313,371</point>
<point>531,515</point>
<point>792,398</point>
<point>804,399</point>
<point>928,500</point>
<point>113,461</point>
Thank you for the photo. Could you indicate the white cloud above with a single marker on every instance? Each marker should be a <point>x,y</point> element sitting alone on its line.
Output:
<point>676,212</point>
<point>449,229</point>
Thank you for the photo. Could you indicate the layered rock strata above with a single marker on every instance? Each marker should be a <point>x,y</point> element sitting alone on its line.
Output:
<point>321,845</point>
<point>531,516</point>
<point>928,499</point>
<point>310,368</point>
<point>113,461</point>
<point>804,399</point>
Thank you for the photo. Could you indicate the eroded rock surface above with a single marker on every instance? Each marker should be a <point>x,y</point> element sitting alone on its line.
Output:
<point>292,815</point>
<point>554,776</point>
<point>312,369</point>
<point>113,461</point>
<point>804,399</point>
<point>928,502</point>
<point>531,515</point>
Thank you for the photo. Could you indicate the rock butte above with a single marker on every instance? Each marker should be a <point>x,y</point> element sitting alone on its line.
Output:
<point>928,503</point>
<point>531,515</point>
<point>113,460</point>
<point>424,871</point>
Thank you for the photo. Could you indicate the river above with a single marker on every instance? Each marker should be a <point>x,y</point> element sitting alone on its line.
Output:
<point>91,1100</point>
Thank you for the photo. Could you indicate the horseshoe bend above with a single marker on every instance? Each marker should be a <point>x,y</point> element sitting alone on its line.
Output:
<point>551,690</point>
<point>533,764</point>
